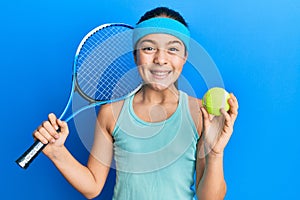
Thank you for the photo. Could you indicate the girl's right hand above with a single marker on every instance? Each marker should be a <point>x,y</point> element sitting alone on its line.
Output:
<point>52,132</point>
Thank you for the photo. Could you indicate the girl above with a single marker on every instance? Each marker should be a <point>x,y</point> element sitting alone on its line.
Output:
<point>158,137</point>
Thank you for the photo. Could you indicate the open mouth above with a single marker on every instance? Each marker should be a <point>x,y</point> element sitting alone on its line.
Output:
<point>158,74</point>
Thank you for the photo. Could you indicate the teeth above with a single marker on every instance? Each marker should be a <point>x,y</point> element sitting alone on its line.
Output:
<point>159,73</point>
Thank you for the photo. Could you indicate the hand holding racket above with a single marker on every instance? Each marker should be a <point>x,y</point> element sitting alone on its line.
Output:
<point>104,71</point>
<point>47,131</point>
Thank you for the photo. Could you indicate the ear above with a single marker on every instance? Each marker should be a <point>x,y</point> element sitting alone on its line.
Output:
<point>134,55</point>
<point>185,56</point>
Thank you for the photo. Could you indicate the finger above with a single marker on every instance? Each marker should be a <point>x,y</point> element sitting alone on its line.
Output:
<point>63,126</point>
<point>204,112</point>
<point>226,115</point>
<point>234,98</point>
<point>46,134</point>
<point>37,135</point>
<point>233,104</point>
<point>233,111</point>
<point>228,124</point>
<point>205,115</point>
<point>234,101</point>
<point>211,117</point>
<point>52,118</point>
<point>208,116</point>
<point>50,129</point>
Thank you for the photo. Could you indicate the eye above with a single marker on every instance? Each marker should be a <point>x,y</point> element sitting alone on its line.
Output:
<point>173,49</point>
<point>148,49</point>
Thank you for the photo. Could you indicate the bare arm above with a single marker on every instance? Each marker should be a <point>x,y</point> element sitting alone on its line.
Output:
<point>85,179</point>
<point>88,180</point>
<point>216,133</point>
<point>210,178</point>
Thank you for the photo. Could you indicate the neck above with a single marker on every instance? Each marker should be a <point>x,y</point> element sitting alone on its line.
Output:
<point>149,95</point>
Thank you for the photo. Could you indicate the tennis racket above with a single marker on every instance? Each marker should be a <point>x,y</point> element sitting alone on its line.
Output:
<point>103,72</point>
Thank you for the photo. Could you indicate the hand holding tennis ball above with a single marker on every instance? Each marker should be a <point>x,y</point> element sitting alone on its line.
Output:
<point>215,99</point>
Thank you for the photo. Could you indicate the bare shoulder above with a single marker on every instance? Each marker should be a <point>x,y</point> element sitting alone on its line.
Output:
<point>108,115</point>
<point>194,106</point>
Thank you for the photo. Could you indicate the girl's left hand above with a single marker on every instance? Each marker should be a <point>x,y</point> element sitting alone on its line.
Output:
<point>217,130</point>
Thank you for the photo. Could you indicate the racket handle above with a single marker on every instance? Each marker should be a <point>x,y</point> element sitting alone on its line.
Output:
<point>31,153</point>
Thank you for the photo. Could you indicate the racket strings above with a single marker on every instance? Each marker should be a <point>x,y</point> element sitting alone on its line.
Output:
<point>105,64</point>
<point>113,72</point>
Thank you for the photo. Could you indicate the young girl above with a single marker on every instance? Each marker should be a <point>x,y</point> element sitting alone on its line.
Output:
<point>158,137</point>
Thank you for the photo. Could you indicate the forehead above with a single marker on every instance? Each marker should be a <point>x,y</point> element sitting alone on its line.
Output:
<point>161,38</point>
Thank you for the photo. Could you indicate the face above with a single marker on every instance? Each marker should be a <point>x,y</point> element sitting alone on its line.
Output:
<point>160,59</point>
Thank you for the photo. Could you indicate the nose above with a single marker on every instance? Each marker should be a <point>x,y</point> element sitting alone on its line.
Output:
<point>161,57</point>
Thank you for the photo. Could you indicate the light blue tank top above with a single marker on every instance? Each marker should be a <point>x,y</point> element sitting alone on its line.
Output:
<point>155,161</point>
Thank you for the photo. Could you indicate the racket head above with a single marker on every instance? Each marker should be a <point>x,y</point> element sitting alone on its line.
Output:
<point>104,68</point>
<point>104,71</point>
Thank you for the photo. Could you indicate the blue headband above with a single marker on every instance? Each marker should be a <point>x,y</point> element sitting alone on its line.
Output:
<point>162,25</point>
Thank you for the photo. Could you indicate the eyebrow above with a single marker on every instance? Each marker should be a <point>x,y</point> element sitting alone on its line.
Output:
<point>170,42</point>
<point>175,42</point>
<point>148,40</point>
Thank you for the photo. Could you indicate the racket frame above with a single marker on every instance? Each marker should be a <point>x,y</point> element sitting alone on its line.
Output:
<point>32,152</point>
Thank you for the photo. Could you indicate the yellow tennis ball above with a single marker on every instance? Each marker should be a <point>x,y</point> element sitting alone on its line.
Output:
<point>215,99</point>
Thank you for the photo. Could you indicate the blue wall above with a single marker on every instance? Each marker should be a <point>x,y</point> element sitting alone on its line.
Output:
<point>255,44</point>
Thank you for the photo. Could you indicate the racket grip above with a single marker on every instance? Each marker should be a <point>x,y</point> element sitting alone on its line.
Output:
<point>31,153</point>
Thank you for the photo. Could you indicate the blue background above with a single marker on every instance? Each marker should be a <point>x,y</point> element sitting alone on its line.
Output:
<point>255,44</point>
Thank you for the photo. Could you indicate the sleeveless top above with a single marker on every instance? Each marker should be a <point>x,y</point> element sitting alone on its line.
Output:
<point>155,161</point>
